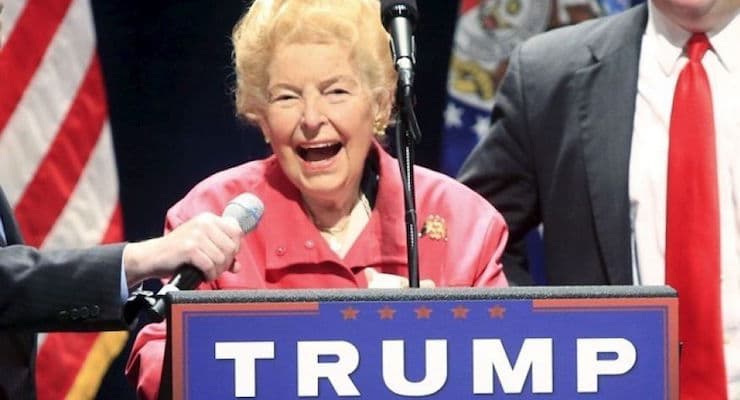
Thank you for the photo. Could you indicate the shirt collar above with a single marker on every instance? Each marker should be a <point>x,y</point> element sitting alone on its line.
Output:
<point>669,40</point>
<point>724,43</point>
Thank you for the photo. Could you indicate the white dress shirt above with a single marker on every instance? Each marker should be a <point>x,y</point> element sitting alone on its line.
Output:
<point>661,62</point>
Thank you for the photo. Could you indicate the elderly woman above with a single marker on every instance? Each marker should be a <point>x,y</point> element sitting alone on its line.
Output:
<point>317,77</point>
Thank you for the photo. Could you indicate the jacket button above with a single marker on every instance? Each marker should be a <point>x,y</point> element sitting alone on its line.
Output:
<point>94,311</point>
<point>84,312</point>
<point>280,251</point>
<point>63,315</point>
<point>74,314</point>
<point>310,244</point>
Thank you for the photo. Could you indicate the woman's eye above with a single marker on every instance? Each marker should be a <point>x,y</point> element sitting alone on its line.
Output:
<point>336,95</point>
<point>338,91</point>
<point>283,97</point>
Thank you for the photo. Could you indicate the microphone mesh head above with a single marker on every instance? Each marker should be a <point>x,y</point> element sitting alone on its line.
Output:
<point>390,9</point>
<point>246,209</point>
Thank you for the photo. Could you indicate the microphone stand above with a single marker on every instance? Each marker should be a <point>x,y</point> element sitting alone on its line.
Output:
<point>153,305</point>
<point>142,303</point>
<point>408,134</point>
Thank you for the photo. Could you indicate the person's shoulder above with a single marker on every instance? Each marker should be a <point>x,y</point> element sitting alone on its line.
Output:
<point>214,192</point>
<point>248,176</point>
<point>442,190</point>
<point>435,191</point>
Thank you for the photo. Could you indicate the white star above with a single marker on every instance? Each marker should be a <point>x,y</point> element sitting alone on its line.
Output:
<point>453,116</point>
<point>481,127</point>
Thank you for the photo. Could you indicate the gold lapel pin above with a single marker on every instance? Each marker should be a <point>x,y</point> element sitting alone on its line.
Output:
<point>434,228</point>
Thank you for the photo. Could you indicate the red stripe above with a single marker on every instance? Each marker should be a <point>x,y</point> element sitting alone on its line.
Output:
<point>22,53</point>
<point>55,179</point>
<point>466,5</point>
<point>114,233</point>
<point>57,370</point>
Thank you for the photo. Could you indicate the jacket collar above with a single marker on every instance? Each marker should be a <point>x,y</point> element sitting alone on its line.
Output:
<point>295,240</point>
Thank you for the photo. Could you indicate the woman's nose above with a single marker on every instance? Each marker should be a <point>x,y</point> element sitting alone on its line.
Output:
<point>313,115</point>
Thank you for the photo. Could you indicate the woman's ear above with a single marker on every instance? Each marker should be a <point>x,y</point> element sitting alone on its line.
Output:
<point>259,120</point>
<point>383,105</point>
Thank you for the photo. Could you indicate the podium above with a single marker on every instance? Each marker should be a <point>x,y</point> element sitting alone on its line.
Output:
<point>601,342</point>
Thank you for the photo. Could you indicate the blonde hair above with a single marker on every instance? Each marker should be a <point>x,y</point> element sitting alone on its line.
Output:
<point>271,23</point>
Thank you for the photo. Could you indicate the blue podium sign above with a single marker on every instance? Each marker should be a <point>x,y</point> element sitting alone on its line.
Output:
<point>441,343</point>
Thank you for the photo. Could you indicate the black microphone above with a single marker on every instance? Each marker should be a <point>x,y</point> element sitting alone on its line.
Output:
<point>247,210</point>
<point>399,19</point>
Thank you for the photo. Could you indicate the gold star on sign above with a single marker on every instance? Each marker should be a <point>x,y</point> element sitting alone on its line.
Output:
<point>496,312</point>
<point>386,313</point>
<point>460,312</point>
<point>350,313</point>
<point>423,312</point>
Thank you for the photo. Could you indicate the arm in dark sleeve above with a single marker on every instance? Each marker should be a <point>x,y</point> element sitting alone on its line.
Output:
<point>65,290</point>
<point>501,169</point>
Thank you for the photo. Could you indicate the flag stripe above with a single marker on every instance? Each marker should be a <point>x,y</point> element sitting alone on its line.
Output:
<point>88,210</point>
<point>11,11</point>
<point>466,5</point>
<point>105,348</point>
<point>57,381</point>
<point>47,100</point>
<point>26,46</point>
<point>114,233</point>
<point>57,175</point>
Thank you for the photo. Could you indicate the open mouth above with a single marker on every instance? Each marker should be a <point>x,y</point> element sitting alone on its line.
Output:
<point>319,152</point>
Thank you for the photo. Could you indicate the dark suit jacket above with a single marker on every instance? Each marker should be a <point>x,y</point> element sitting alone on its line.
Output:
<point>50,291</point>
<point>558,152</point>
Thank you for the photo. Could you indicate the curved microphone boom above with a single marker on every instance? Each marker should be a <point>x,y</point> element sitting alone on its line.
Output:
<point>399,19</point>
<point>247,210</point>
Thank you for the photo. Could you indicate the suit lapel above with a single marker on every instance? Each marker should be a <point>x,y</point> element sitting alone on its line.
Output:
<point>606,106</point>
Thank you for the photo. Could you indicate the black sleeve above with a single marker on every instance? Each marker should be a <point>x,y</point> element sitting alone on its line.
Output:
<point>66,290</point>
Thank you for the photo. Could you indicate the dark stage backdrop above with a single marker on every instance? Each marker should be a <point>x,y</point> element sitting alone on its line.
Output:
<point>167,66</point>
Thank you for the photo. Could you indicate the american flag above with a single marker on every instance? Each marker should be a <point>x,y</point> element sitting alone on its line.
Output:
<point>57,164</point>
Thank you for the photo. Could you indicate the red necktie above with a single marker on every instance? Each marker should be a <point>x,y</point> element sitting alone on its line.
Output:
<point>692,230</point>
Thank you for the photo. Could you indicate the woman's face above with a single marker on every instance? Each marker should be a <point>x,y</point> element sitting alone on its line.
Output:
<point>319,118</point>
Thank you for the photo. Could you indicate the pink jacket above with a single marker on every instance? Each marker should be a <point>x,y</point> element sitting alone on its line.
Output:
<point>461,243</point>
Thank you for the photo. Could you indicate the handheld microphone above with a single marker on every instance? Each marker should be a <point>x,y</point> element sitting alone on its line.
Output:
<point>247,210</point>
<point>399,19</point>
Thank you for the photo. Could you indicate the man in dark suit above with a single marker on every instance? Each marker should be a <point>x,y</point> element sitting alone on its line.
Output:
<point>83,290</point>
<point>579,144</point>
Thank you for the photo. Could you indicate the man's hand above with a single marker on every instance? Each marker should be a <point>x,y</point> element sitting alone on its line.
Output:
<point>208,242</point>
